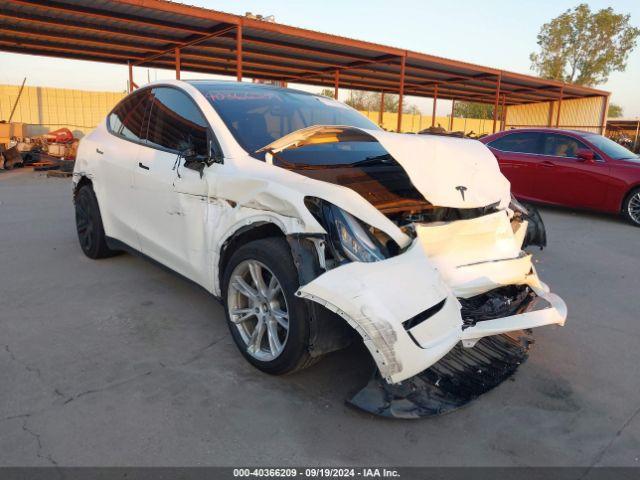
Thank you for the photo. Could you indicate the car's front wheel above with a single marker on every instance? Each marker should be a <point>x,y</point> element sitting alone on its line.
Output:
<point>269,324</point>
<point>631,207</point>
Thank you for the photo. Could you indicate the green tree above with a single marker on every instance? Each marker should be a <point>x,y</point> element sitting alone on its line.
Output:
<point>584,47</point>
<point>473,110</point>
<point>371,101</point>
<point>615,111</point>
<point>326,92</point>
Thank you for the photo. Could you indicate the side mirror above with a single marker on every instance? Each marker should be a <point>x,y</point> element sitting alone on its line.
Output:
<point>585,155</point>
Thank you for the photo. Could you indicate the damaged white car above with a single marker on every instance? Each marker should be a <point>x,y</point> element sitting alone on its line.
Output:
<point>314,226</point>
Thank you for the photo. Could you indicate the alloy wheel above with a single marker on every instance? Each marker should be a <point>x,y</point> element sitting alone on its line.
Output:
<point>258,310</point>
<point>634,207</point>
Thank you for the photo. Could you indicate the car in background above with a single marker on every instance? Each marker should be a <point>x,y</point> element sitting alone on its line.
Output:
<point>569,168</point>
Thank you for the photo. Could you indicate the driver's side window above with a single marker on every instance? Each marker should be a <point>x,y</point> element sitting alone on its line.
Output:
<point>176,123</point>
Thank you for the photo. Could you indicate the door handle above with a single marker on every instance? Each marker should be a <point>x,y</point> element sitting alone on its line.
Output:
<point>142,165</point>
<point>548,164</point>
<point>99,151</point>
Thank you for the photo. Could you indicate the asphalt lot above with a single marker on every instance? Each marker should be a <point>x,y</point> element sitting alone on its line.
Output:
<point>119,362</point>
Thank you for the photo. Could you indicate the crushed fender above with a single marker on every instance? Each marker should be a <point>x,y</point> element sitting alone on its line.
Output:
<point>458,378</point>
<point>536,231</point>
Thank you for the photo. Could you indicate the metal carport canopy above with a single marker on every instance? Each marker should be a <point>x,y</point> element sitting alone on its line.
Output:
<point>163,34</point>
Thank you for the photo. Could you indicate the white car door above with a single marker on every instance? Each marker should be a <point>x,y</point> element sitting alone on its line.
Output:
<point>171,198</point>
<point>116,149</point>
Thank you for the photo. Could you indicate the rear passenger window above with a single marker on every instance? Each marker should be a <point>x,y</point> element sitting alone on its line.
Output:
<point>128,118</point>
<point>562,146</point>
<point>175,122</point>
<point>526,142</point>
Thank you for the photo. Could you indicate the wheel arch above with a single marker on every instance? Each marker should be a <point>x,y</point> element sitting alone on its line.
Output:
<point>627,194</point>
<point>242,236</point>
<point>84,180</point>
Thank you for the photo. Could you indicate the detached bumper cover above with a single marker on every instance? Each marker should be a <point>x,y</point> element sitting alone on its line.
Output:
<point>378,299</point>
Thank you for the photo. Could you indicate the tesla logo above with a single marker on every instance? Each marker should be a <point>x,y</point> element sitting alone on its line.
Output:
<point>461,189</point>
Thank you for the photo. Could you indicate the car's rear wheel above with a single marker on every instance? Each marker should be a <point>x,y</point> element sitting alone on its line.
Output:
<point>269,324</point>
<point>89,225</point>
<point>631,207</point>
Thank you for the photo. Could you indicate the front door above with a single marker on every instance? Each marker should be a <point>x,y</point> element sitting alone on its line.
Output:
<point>172,199</point>
<point>567,180</point>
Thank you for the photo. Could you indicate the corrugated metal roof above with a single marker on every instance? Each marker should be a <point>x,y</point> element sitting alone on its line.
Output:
<point>122,31</point>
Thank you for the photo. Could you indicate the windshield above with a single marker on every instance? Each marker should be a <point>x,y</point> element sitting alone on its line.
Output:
<point>610,148</point>
<point>257,115</point>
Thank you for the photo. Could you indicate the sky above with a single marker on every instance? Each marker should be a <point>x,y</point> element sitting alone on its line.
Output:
<point>494,33</point>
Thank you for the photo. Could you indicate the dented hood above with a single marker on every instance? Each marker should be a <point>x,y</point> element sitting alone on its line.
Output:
<point>448,172</point>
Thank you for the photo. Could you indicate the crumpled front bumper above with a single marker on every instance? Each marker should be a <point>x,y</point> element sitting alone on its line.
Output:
<point>405,308</point>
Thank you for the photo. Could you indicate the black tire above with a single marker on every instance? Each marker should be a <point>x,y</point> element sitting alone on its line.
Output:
<point>274,253</point>
<point>630,207</point>
<point>89,225</point>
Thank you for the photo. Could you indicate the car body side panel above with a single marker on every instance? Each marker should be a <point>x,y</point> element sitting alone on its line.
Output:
<point>110,162</point>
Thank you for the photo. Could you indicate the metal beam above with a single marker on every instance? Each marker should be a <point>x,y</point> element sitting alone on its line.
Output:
<point>359,63</point>
<point>239,52</point>
<point>603,117</point>
<point>401,91</point>
<point>177,64</point>
<point>130,76</point>
<point>86,27</point>
<point>495,105</point>
<point>336,84</point>
<point>433,112</point>
<point>453,109</point>
<point>216,32</point>
<point>381,112</point>
<point>49,6</point>
<point>559,107</point>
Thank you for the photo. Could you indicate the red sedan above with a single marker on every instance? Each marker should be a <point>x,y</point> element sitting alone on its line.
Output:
<point>569,168</point>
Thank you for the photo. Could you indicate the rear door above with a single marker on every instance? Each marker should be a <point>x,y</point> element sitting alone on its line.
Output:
<point>116,151</point>
<point>568,180</point>
<point>172,199</point>
<point>517,154</point>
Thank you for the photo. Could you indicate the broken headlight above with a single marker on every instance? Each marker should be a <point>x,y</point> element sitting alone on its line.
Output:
<point>350,239</point>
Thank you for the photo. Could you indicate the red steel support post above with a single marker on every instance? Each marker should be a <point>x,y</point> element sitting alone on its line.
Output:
<point>503,123</point>
<point>130,76</point>
<point>336,83</point>
<point>603,117</point>
<point>177,64</point>
<point>453,108</point>
<point>495,104</point>
<point>239,53</point>
<point>401,91</point>
<point>559,107</point>
<point>381,113</point>
<point>435,100</point>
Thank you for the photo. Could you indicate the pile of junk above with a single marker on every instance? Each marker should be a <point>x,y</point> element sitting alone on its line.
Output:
<point>55,150</point>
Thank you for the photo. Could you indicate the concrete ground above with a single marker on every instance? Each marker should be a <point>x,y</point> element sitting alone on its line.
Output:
<point>118,362</point>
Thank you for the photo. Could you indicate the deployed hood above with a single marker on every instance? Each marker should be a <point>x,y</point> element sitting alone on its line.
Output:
<point>448,172</point>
